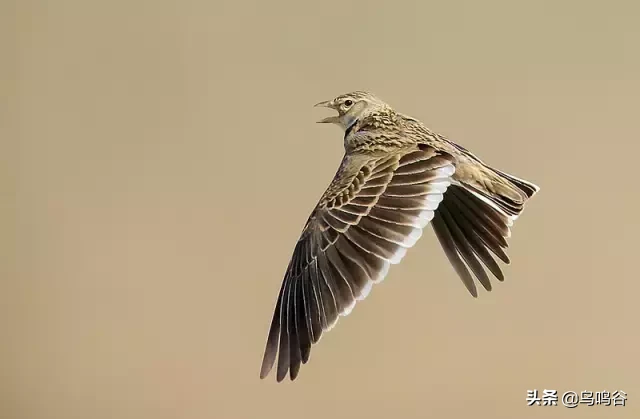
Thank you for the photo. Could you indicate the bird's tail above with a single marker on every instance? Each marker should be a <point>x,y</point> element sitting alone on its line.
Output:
<point>473,222</point>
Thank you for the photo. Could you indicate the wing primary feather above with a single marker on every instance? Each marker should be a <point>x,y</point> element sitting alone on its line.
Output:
<point>303,322</point>
<point>295,357</point>
<point>345,248</point>
<point>352,268</point>
<point>283,352</point>
<point>320,299</point>
<point>377,266</point>
<point>271,349</point>
<point>312,307</point>
<point>334,305</point>
<point>491,237</point>
<point>342,279</point>
<point>407,218</point>
<point>474,238</point>
<point>369,243</point>
<point>464,249</point>
<point>345,216</point>
<point>408,191</point>
<point>493,221</point>
<point>401,235</point>
<point>334,223</point>
<point>444,236</point>
<point>405,203</point>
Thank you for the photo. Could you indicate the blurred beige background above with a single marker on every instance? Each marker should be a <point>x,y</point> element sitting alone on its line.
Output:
<point>159,160</point>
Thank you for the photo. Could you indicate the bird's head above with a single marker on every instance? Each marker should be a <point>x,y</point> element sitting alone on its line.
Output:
<point>351,107</point>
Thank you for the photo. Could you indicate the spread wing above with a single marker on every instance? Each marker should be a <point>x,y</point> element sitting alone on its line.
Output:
<point>373,211</point>
<point>475,218</point>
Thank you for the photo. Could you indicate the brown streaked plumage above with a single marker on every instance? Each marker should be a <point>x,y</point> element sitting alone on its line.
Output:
<point>396,177</point>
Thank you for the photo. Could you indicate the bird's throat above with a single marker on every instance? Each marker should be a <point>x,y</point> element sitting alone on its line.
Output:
<point>350,128</point>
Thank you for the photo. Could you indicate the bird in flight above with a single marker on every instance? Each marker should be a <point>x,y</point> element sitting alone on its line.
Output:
<point>396,177</point>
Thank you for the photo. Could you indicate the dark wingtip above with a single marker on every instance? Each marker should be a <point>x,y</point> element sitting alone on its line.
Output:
<point>293,373</point>
<point>264,372</point>
<point>269,357</point>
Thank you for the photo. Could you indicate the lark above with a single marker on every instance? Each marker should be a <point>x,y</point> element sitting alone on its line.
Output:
<point>396,177</point>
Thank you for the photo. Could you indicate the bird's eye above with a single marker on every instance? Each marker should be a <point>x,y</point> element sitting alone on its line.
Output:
<point>348,103</point>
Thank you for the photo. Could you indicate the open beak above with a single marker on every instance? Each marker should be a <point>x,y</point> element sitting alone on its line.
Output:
<point>329,119</point>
